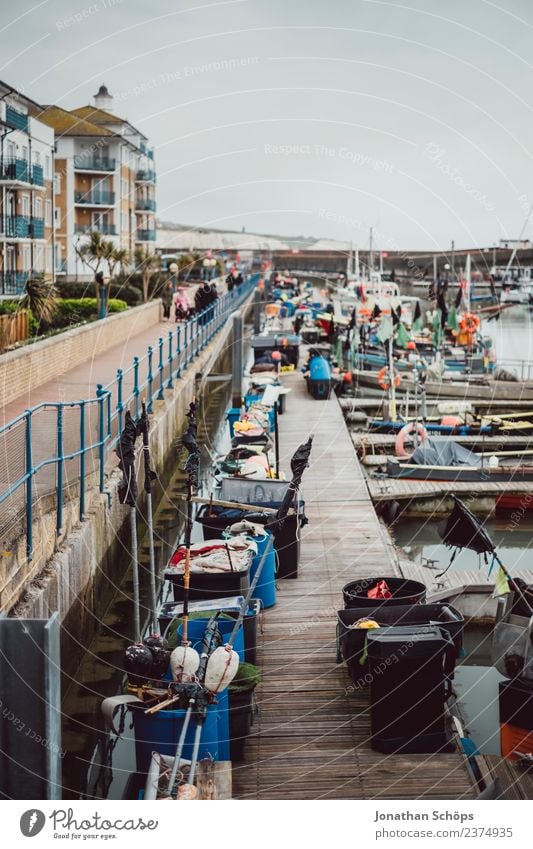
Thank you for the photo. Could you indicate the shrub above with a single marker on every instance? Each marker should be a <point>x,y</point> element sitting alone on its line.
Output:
<point>75,310</point>
<point>118,288</point>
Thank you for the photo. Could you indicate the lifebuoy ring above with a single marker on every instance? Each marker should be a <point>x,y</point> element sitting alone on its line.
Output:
<point>384,378</point>
<point>469,322</point>
<point>406,430</point>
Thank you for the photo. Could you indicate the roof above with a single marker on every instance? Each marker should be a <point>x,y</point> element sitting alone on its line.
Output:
<point>97,116</point>
<point>68,124</point>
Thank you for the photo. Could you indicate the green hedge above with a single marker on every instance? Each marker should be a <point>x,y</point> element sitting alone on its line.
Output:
<point>76,310</point>
<point>122,289</point>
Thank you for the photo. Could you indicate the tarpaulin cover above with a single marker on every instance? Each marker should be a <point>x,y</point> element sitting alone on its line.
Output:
<point>443,452</point>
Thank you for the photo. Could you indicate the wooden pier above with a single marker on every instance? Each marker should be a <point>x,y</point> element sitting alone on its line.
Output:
<point>311,739</point>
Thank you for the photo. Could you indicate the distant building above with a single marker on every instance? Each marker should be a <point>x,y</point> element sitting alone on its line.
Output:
<point>104,181</point>
<point>26,199</point>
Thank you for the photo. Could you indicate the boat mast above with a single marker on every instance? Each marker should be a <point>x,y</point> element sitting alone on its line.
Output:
<point>356,269</point>
<point>370,256</point>
<point>468,281</point>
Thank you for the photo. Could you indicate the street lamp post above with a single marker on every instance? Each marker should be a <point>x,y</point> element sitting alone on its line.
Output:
<point>173,268</point>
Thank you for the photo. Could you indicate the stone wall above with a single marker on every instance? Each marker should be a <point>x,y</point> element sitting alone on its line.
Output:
<point>24,370</point>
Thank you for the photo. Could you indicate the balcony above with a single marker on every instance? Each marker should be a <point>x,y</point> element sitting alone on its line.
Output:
<point>37,228</point>
<point>16,226</point>
<point>145,176</point>
<point>87,229</point>
<point>94,163</point>
<point>15,170</point>
<point>13,282</point>
<point>150,153</point>
<point>145,204</point>
<point>145,236</point>
<point>17,120</point>
<point>96,197</point>
<point>37,175</point>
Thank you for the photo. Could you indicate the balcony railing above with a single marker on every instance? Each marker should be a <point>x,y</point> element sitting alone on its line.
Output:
<point>94,163</point>
<point>13,282</point>
<point>17,120</point>
<point>104,229</point>
<point>144,176</point>
<point>37,228</point>
<point>145,204</point>
<point>146,235</point>
<point>96,197</point>
<point>16,226</point>
<point>15,169</point>
<point>37,175</point>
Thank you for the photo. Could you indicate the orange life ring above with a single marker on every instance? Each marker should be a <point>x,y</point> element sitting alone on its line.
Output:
<point>384,381</point>
<point>406,430</point>
<point>470,322</point>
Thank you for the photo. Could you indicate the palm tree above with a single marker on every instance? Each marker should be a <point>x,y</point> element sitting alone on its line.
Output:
<point>146,264</point>
<point>98,251</point>
<point>40,298</point>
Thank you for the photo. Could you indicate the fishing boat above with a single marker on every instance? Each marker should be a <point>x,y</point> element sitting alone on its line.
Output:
<point>443,459</point>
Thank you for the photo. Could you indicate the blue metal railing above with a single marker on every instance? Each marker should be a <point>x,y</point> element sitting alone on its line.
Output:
<point>52,440</point>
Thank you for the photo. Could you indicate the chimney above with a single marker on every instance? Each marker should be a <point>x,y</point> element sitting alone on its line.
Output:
<point>103,100</point>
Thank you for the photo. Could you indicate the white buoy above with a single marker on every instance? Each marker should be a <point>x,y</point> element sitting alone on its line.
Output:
<point>184,662</point>
<point>221,669</point>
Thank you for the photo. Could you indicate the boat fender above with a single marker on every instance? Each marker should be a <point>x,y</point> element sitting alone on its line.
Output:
<point>184,662</point>
<point>110,707</point>
<point>406,430</point>
<point>221,669</point>
<point>384,378</point>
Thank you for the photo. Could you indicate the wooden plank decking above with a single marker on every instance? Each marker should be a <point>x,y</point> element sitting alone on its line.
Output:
<point>311,738</point>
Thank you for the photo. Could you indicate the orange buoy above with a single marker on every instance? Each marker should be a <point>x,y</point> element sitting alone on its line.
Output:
<point>384,378</point>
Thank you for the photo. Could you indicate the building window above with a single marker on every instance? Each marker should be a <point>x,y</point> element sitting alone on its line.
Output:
<point>37,207</point>
<point>25,153</point>
<point>25,205</point>
<point>57,215</point>
<point>39,258</point>
<point>48,213</point>
<point>36,157</point>
<point>57,184</point>
<point>26,258</point>
<point>11,151</point>
<point>58,256</point>
<point>48,265</point>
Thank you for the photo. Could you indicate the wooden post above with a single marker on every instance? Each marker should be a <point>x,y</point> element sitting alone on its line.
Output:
<point>237,360</point>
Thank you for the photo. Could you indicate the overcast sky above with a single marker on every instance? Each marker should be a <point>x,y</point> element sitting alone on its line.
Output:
<point>306,117</point>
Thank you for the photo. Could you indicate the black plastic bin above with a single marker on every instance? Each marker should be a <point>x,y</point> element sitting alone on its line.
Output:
<point>268,493</point>
<point>320,389</point>
<point>410,668</point>
<point>403,591</point>
<point>351,641</point>
<point>241,717</point>
<point>209,585</point>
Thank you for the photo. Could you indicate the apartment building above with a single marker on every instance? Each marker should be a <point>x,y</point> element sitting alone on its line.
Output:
<point>104,180</point>
<point>26,192</point>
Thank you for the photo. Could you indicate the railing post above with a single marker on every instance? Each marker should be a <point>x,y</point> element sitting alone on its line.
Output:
<point>150,379</point>
<point>29,488</point>
<point>120,403</point>
<point>185,343</point>
<point>170,361</point>
<point>100,394</point>
<point>178,349</point>
<point>136,385</point>
<point>82,460</point>
<point>160,394</point>
<point>60,461</point>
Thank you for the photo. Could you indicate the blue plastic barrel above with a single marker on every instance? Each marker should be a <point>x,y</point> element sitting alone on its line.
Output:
<point>232,415</point>
<point>160,732</point>
<point>265,588</point>
<point>319,369</point>
<point>196,629</point>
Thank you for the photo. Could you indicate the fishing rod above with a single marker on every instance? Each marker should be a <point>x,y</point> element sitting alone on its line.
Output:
<point>191,691</point>
<point>127,493</point>
<point>149,476</point>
